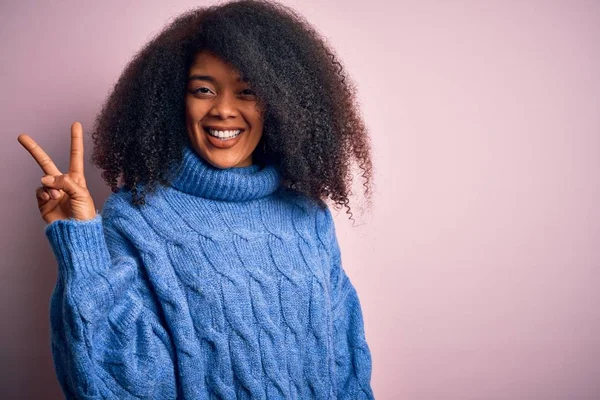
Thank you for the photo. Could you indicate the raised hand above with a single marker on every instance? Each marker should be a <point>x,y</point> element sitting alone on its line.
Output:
<point>62,196</point>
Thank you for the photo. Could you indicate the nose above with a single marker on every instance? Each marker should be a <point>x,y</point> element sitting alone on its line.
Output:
<point>224,106</point>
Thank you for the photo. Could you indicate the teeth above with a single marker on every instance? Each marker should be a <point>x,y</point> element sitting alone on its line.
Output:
<point>224,134</point>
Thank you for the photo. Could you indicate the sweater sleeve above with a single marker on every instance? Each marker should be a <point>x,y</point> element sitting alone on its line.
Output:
<point>107,338</point>
<point>352,354</point>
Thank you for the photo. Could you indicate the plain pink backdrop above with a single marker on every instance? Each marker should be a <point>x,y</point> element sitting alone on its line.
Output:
<point>478,268</point>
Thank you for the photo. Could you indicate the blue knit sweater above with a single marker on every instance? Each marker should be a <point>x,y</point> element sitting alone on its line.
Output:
<point>225,285</point>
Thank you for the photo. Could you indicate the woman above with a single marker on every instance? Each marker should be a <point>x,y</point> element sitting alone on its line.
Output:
<point>214,270</point>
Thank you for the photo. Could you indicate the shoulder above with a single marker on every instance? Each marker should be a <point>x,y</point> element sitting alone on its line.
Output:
<point>125,220</point>
<point>301,201</point>
<point>118,203</point>
<point>119,210</point>
<point>317,211</point>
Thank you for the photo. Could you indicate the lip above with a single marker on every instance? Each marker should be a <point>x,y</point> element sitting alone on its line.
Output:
<point>223,128</point>
<point>223,144</point>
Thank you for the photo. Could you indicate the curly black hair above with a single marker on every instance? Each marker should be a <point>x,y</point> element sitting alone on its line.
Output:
<point>312,129</point>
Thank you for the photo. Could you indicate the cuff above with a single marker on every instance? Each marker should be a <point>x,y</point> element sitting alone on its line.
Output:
<point>79,247</point>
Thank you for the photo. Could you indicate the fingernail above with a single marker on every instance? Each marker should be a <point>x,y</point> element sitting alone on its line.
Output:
<point>54,193</point>
<point>48,179</point>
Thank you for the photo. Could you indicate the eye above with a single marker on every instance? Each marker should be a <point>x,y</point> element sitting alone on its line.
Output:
<point>248,92</point>
<point>200,90</point>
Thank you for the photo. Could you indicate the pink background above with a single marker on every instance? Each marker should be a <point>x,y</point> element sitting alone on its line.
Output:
<point>478,268</point>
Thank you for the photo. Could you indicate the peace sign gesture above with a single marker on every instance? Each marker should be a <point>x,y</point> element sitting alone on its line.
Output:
<point>62,196</point>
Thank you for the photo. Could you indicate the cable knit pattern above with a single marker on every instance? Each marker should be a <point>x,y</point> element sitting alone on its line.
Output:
<point>225,285</point>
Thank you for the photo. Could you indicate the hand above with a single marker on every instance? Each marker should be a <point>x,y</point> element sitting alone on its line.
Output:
<point>62,196</point>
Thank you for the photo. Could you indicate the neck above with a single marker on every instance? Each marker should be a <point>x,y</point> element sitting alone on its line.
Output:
<point>198,177</point>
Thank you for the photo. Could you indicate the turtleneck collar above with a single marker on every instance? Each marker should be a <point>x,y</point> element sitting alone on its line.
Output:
<point>200,178</point>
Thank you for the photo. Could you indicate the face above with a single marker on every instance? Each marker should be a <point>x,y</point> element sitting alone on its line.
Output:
<point>223,116</point>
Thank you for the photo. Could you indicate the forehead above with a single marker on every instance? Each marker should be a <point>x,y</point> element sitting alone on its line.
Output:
<point>207,62</point>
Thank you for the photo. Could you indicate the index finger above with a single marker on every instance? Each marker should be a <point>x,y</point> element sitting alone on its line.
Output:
<point>39,155</point>
<point>76,163</point>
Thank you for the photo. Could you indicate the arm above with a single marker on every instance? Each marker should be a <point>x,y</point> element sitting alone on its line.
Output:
<point>352,354</point>
<point>106,340</point>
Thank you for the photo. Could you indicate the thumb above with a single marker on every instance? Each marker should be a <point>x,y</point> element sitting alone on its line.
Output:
<point>67,184</point>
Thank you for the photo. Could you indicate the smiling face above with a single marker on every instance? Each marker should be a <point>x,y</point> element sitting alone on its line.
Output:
<point>217,103</point>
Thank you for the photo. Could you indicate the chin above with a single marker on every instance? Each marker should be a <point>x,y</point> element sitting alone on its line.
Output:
<point>225,162</point>
<point>221,158</point>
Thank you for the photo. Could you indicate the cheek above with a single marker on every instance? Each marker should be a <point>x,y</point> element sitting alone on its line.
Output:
<point>254,117</point>
<point>257,128</point>
<point>190,121</point>
<point>194,110</point>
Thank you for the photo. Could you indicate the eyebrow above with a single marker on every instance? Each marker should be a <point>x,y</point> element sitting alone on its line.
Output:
<point>207,78</point>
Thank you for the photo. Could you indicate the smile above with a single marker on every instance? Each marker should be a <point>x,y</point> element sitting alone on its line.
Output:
<point>224,135</point>
<point>224,138</point>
